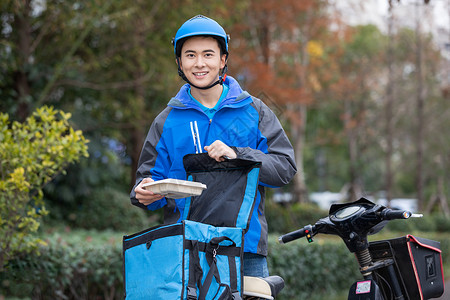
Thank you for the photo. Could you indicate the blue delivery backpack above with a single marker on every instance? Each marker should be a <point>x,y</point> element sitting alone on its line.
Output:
<point>201,256</point>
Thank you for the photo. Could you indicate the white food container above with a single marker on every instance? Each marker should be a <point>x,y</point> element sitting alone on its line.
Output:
<point>175,188</point>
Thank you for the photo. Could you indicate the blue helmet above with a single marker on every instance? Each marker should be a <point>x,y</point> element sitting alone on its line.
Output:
<point>200,26</point>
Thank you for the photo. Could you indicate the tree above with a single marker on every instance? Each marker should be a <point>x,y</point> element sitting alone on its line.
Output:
<point>110,63</point>
<point>31,154</point>
<point>32,69</point>
<point>389,106</point>
<point>359,71</point>
<point>277,40</point>
<point>418,111</point>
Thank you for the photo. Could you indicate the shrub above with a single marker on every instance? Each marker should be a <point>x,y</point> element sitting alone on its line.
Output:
<point>90,181</point>
<point>430,223</point>
<point>85,268</point>
<point>288,217</point>
<point>91,270</point>
<point>66,271</point>
<point>109,209</point>
<point>403,226</point>
<point>324,269</point>
<point>313,270</point>
<point>31,154</point>
<point>442,223</point>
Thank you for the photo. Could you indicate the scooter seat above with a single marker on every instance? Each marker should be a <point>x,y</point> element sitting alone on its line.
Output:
<point>263,287</point>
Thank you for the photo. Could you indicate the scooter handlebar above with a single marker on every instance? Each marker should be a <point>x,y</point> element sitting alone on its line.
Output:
<point>391,214</point>
<point>289,237</point>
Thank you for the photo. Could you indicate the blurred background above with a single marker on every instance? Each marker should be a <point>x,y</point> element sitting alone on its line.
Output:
<point>361,87</point>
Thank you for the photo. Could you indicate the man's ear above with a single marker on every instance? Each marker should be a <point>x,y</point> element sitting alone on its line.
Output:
<point>223,61</point>
<point>178,62</point>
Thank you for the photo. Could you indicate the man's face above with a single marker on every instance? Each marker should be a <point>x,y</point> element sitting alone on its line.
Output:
<point>201,60</point>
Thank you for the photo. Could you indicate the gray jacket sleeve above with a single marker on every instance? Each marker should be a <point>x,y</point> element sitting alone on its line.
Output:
<point>149,154</point>
<point>278,164</point>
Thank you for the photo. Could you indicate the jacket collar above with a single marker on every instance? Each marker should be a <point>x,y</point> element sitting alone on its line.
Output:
<point>236,97</point>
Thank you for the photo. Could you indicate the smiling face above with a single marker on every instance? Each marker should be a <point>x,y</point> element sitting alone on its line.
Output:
<point>201,60</point>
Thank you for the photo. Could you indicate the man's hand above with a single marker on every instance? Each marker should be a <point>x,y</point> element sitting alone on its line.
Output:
<point>146,197</point>
<point>219,151</point>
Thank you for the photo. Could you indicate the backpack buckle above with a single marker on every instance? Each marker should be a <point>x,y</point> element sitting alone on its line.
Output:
<point>191,293</point>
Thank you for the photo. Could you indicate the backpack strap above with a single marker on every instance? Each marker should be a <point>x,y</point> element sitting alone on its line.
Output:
<point>211,249</point>
<point>213,272</point>
<point>233,277</point>
<point>195,270</point>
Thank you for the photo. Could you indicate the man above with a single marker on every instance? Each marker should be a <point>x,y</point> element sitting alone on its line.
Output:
<point>212,113</point>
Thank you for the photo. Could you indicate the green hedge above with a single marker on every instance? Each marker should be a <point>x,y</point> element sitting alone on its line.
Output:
<point>90,269</point>
<point>82,270</point>
<point>320,270</point>
<point>430,223</point>
<point>67,271</point>
<point>283,218</point>
<point>104,209</point>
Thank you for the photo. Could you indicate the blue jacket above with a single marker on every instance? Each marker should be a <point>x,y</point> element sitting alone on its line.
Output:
<point>242,122</point>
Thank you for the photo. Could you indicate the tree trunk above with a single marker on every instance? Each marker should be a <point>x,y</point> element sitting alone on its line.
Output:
<point>298,136</point>
<point>420,112</point>
<point>22,86</point>
<point>439,199</point>
<point>389,110</point>
<point>353,192</point>
<point>299,127</point>
<point>137,136</point>
<point>135,147</point>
